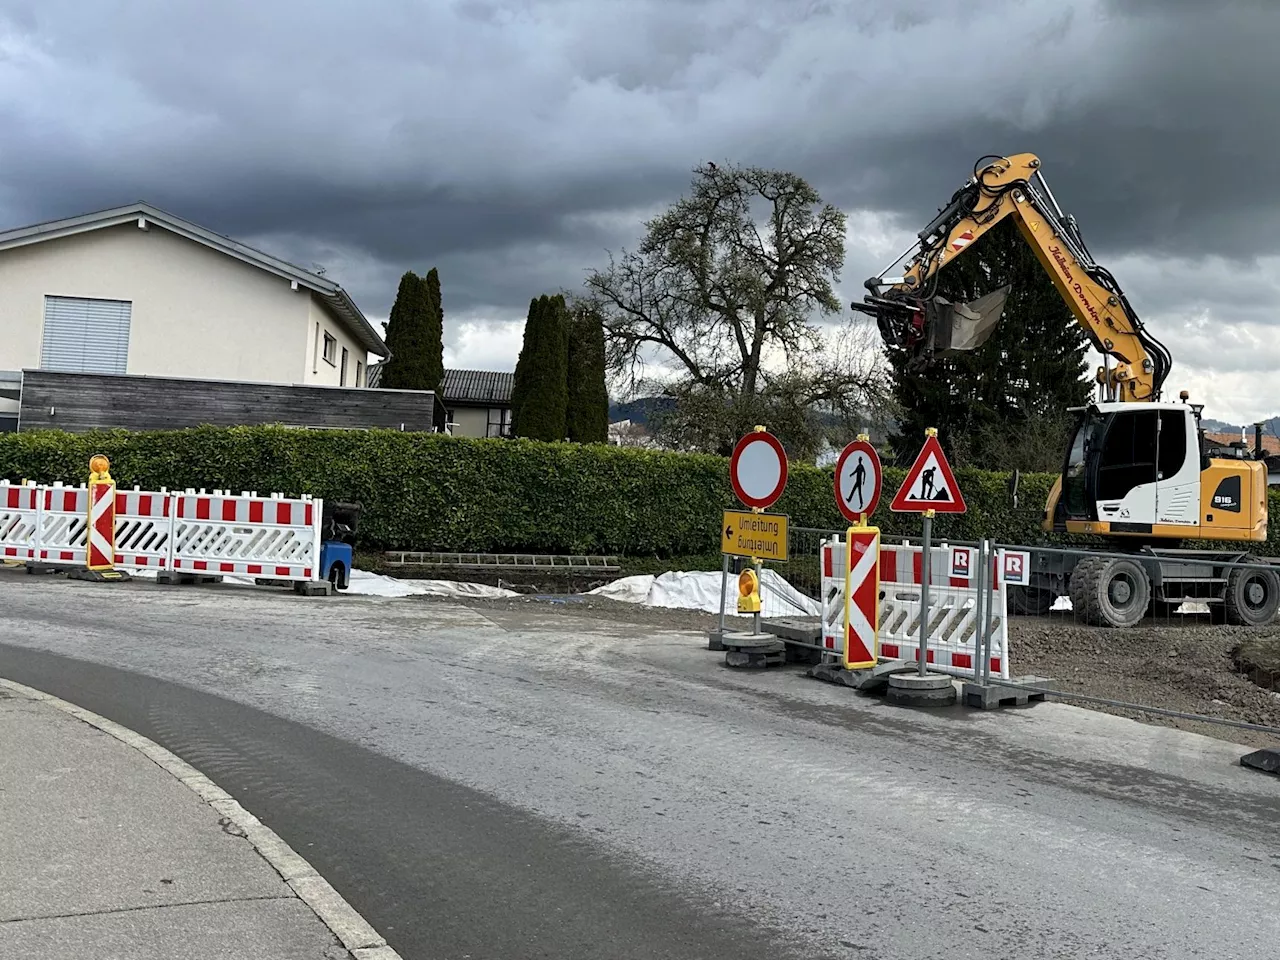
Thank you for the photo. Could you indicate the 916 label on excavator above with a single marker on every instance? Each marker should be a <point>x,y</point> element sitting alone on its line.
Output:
<point>1227,496</point>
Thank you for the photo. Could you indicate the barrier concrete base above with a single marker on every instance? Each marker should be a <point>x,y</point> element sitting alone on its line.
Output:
<point>992,696</point>
<point>34,566</point>
<point>756,650</point>
<point>170,578</point>
<point>98,576</point>
<point>313,588</point>
<point>913,690</point>
<point>870,680</point>
<point>1268,761</point>
<point>715,639</point>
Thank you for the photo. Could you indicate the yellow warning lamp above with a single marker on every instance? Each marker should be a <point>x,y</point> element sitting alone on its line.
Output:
<point>99,468</point>
<point>748,592</point>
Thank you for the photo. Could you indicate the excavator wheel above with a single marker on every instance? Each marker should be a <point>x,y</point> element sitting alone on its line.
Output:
<point>1110,591</point>
<point>1253,596</point>
<point>1030,601</point>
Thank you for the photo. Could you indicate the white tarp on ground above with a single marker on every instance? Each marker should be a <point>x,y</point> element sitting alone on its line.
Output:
<point>700,590</point>
<point>365,584</point>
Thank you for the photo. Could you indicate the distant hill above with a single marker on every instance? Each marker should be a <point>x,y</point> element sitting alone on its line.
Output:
<point>639,411</point>
<point>1270,427</point>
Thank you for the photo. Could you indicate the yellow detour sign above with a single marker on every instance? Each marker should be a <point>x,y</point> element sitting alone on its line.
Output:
<point>746,534</point>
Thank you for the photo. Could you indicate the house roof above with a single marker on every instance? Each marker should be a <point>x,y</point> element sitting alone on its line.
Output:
<point>481,388</point>
<point>1270,444</point>
<point>337,299</point>
<point>477,386</point>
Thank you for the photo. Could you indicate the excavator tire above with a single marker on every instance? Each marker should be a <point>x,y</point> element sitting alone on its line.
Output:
<point>1030,601</point>
<point>1110,591</point>
<point>1253,596</point>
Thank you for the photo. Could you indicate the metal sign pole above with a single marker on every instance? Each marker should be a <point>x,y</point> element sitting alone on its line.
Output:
<point>724,590</point>
<point>755,617</point>
<point>986,626</point>
<point>925,564</point>
<point>982,603</point>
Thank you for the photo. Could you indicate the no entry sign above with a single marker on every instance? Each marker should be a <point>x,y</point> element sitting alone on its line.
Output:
<point>758,469</point>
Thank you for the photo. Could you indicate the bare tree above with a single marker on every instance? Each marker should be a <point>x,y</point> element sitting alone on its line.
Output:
<point>717,307</point>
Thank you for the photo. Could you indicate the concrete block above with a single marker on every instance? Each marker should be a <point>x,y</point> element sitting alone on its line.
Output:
<point>991,696</point>
<point>313,588</point>
<point>913,690</point>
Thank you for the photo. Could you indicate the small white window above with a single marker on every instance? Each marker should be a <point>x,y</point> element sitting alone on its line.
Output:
<point>330,350</point>
<point>342,370</point>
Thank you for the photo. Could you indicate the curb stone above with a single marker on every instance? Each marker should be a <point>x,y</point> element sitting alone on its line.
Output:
<point>343,920</point>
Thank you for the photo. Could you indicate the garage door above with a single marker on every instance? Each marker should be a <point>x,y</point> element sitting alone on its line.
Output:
<point>85,336</point>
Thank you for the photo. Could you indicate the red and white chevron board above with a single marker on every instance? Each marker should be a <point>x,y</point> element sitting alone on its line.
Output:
<point>862,598</point>
<point>102,526</point>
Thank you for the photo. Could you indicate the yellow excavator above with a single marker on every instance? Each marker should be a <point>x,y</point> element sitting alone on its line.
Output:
<point>1138,470</point>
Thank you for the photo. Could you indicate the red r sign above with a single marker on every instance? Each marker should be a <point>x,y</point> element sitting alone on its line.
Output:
<point>1015,567</point>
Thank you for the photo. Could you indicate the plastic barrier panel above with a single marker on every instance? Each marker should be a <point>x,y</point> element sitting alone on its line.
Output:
<point>19,509</point>
<point>953,613</point>
<point>832,597</point>
<point>144,525</point>
<point>62,523</point>
<point>269,537</point>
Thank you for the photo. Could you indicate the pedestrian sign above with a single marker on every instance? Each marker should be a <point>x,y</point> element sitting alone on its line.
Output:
<point>858,481</point>
<point>930,484</point>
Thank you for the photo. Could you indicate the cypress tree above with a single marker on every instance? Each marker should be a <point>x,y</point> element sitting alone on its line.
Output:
<point>434,333</point>
<point>408,337</point>
<point>1003,405</point>
<point>587,417</point>
<point>540,389</point>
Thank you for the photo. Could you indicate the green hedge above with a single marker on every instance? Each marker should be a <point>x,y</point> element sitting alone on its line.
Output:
<point>432,492</point>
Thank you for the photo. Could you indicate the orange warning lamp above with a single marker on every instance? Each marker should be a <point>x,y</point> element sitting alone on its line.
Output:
<point>748,592</point>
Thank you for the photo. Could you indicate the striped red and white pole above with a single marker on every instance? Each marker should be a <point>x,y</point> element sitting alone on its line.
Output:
<point>101,547</point>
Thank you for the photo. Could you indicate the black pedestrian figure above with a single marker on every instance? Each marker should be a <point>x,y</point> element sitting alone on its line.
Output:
<point>859,476</point>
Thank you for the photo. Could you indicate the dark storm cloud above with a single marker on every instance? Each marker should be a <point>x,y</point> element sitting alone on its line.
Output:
<point>511,142</point>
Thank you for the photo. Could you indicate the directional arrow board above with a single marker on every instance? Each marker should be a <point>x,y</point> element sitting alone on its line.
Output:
<point>930,484</point>
<point>858,481</point>
<point>759,535</point>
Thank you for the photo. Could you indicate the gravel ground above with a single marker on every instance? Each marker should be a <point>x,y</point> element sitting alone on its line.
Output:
<point>1186,664</point>
<point>1189,666</point>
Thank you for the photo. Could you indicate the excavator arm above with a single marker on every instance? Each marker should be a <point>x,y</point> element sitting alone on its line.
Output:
<point>911,315</point>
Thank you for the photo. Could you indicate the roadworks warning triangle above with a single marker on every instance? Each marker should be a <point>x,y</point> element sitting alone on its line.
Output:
<point>930,484</point>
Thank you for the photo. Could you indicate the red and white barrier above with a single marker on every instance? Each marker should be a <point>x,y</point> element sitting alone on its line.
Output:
<point>19,512</point>
<point>831,554</point>
<point>62,524</point>
<point>953,611</point>
<point>953,602</point>
<point>272,537</point>
<point>269,537</point>
<point>144,526</point>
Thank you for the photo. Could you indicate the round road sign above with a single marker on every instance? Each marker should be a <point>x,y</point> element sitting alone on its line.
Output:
<point>758,469</point>
<point>857,480</point>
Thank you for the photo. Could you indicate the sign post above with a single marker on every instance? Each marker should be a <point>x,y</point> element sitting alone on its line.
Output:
<point>930,488</point>
<point>758,474</point>
<point>858,480</point>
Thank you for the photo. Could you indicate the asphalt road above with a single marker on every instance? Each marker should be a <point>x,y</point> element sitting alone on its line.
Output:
<point>528,781</point>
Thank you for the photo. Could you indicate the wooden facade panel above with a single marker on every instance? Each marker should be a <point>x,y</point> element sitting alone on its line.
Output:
<point>78,402</point>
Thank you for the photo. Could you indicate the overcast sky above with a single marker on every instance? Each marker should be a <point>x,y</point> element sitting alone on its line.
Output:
<point>511,143</point>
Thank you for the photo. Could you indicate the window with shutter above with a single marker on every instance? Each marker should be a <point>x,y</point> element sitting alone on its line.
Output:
<point>85,336</point>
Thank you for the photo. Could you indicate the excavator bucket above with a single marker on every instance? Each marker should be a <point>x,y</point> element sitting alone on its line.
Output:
<point>960,327</point>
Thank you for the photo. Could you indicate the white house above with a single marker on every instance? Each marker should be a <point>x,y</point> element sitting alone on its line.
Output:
<point>137,290</point>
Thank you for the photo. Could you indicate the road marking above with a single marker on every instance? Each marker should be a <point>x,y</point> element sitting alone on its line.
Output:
<point>342,919</point>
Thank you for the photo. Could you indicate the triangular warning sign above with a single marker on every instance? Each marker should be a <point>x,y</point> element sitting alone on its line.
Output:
<point>930,484</point>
